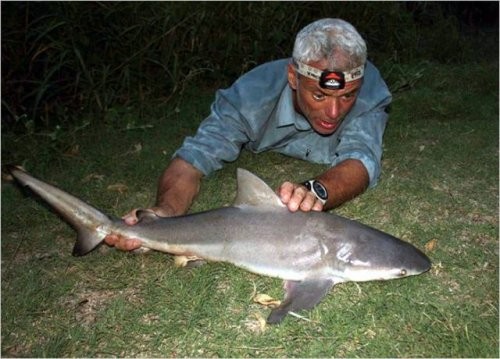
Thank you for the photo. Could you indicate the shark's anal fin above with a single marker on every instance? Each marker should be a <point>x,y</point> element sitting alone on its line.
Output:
<point>300,295</point>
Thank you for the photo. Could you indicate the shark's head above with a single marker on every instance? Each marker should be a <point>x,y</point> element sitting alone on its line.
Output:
<point>384,258</point>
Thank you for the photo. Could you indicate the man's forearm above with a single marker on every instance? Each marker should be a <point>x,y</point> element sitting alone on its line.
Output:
<point>344,182</point>
<point>177,188</point>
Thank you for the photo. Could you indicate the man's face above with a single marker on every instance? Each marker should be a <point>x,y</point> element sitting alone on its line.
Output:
<point>324,109</point>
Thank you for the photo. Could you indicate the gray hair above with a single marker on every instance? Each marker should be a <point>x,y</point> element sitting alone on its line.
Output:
<point>335,40</point>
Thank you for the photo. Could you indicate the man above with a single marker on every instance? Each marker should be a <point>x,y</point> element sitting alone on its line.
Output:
<point>326,105</point>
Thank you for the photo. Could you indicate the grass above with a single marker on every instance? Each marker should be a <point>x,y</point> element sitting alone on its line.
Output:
<point>438,190</point>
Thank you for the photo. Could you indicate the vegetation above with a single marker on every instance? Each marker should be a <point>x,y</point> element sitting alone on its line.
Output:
<point>61,59</point>
<point>438,190</point>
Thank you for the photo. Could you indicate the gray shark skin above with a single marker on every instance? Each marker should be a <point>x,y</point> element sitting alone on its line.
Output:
<point>310,251</point>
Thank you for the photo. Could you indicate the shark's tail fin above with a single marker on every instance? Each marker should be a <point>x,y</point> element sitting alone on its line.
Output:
<point>88,221</point>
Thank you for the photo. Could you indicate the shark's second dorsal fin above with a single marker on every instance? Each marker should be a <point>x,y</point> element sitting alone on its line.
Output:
<point>146,216</point>
<point>253,191</point>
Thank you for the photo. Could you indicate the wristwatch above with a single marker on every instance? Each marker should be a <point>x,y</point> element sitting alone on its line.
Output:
<point>317,188</point>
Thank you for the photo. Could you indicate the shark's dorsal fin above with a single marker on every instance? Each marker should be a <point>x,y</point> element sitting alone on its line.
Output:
<point>253,191</point>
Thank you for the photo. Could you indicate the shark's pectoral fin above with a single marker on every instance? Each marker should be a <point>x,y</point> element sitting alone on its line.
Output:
<point>300,295</point>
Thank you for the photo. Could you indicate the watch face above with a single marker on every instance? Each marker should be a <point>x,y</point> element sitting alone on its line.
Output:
<point>320,190</point>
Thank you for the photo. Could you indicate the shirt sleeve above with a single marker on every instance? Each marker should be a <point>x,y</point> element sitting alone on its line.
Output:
<point>361,139</point>
<point>219,138</point>
<point>237,117</point>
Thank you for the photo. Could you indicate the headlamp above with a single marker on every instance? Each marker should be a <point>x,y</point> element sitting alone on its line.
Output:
<point>330,80</point>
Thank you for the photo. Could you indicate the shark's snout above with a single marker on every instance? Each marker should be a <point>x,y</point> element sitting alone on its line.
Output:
<point>409,261</point>
<point>417,263</point>
<point>380,258</point>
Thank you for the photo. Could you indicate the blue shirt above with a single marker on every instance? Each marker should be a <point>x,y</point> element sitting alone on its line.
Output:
<point>257,113</point>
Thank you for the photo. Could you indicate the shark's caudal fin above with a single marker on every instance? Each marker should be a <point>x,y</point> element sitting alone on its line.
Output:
<point>84,218</point>
<point>252,191</point>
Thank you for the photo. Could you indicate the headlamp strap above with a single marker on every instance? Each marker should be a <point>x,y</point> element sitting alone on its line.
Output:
<point>331,80</point>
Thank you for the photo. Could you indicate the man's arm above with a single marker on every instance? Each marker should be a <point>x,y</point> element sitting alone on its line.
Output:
<point>343,182</point>
<point>177,188</point>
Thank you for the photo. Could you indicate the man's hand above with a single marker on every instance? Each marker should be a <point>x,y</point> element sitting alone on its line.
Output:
<point>342,182</point>
<point>296,197</point>
<point>130,244</point>
<point>178,186</point>
<point>122,243</point>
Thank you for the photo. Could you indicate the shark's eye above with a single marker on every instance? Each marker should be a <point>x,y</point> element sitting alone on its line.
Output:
<point>402,273</point>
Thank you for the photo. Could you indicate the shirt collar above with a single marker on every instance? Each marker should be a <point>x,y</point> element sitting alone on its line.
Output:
<point>286,113</point>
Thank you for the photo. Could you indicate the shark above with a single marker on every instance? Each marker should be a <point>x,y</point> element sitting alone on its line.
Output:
<point>310,251</point>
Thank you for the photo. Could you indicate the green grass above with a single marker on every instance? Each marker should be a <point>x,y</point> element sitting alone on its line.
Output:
<point>439,185</point>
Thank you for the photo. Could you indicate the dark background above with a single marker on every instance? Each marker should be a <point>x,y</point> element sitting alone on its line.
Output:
<point>60,59</point>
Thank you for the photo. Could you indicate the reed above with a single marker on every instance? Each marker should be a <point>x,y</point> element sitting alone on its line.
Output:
<point>61,59</point>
